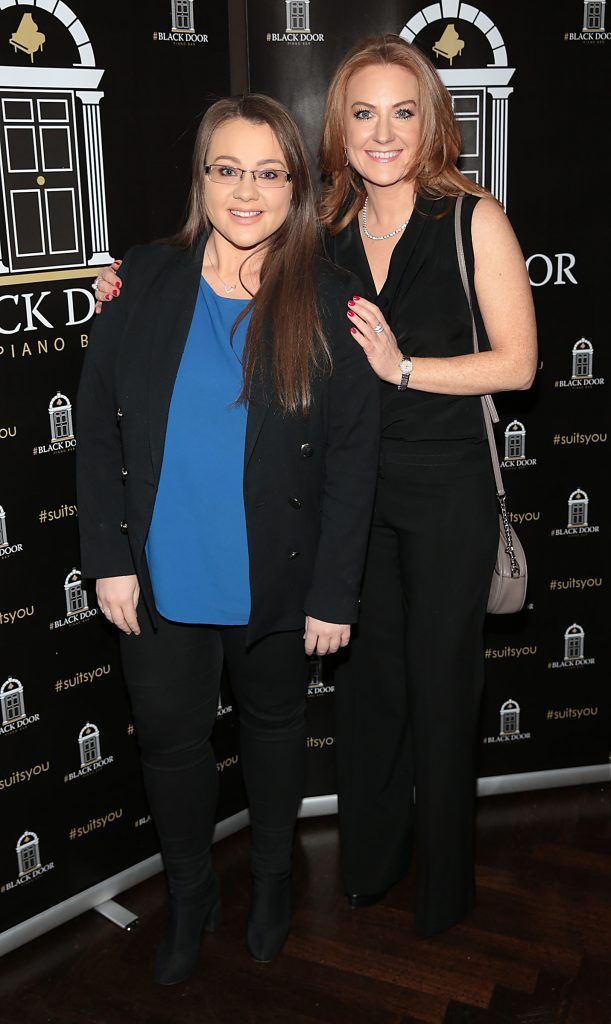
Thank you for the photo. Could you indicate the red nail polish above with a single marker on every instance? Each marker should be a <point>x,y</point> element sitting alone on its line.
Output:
<point>353,330</point>
<point>350,302</point>
<point>350,313</point>
<point>107,296</point>
<point>115,291</point>
<point>356,298</point>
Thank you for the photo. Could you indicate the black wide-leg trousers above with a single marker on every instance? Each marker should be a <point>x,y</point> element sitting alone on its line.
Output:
<point>173,676</point>
<point>408,694</point>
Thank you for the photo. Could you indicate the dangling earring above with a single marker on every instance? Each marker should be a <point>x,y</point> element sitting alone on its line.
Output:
<point>346,156</point>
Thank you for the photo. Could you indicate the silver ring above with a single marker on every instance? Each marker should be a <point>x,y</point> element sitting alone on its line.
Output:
<point>95,284</point>
<point>378,328</point>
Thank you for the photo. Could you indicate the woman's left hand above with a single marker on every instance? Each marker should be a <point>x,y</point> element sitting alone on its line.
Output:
<point>379,346</point>
<point>324,637</point>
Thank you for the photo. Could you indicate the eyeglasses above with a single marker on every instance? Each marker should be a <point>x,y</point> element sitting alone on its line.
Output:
<point>267,177</point>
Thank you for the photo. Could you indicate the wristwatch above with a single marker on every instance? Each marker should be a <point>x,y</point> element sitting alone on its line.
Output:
<point>406,368</point>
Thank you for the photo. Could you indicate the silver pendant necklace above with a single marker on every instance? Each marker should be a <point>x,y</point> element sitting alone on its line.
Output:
<point>380,238</point>
<point>229,288</point>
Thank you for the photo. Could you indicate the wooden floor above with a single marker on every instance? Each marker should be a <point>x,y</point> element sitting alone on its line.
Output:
<point>537,950</point>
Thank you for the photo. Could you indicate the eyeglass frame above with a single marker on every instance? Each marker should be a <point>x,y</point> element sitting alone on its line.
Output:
<point>243,171</point>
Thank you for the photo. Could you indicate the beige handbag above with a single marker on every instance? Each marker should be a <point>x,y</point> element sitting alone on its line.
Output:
<point>510,576</point>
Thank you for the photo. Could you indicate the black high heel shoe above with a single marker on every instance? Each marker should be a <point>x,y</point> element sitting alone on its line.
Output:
<point>269,919</point>
<point>178,952</point>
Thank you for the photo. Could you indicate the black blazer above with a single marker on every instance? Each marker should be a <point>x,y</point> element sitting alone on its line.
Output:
<point>308,481</point>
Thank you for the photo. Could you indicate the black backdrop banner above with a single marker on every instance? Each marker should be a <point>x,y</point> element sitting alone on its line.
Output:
<point>525,88</point>
<point>98,115</point>
<point>97,126</point>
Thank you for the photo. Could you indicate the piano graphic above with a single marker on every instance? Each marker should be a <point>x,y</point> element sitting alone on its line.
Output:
<point>449,46</point>
<point>27,38</point>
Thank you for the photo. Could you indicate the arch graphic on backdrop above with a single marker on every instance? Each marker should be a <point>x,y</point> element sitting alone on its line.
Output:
<point>89,744</point>
<point>11,701</point>
<point>583,351</point>
<point>510,718</point>
<point>28,852</point>
<point>473,91</point>
<point>515,440</point>
<point>573,642</point>
<point>41,166</point>
<point>578,508</point>
<point>76,597</point>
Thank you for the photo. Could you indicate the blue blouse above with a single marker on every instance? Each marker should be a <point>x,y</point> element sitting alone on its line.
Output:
<point>196,548</point>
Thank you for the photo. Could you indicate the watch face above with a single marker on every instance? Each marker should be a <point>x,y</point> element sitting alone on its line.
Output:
<point>405,366</point>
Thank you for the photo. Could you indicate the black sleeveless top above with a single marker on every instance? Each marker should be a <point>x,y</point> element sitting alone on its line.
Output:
<point>424,302</point>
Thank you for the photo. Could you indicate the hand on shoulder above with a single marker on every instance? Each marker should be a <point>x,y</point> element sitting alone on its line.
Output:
<point>107,285</point>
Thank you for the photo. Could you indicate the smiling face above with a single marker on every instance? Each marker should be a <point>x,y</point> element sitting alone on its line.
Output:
<point>243,212</point>
<point>382,122</point>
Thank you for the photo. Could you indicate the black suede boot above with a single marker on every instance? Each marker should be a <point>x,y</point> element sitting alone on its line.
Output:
<point>178,952</point>
<point>269,918</point>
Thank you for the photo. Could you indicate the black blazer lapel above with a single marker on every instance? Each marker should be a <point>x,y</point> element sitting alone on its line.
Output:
<point>175,302</point>
<point>257,410</point>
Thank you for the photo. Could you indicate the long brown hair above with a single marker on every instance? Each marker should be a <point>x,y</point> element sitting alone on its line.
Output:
<point>433,169</point>
<point>286,298</point>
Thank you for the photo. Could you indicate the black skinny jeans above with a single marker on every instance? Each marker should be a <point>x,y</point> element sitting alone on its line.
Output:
<point>173,676</point>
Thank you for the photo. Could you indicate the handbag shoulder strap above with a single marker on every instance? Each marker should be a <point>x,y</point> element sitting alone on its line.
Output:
<point>490,413</point>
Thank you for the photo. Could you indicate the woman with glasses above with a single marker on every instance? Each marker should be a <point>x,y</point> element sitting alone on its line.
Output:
<point>226,469</point>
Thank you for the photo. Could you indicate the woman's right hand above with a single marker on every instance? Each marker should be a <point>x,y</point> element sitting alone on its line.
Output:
<point>107,285</point>
<point>117,599</point>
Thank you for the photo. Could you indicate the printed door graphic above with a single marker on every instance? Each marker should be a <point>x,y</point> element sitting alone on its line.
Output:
<point>40,176</point>
<point>470,110</point>
<point>90,751</point>
<point>63,427</point>
<point>75,600</point>
<point>183,15</point>
<point>298,16</point>
<point>13,707</point>
<point>29,860</point>
<point>594,17</point>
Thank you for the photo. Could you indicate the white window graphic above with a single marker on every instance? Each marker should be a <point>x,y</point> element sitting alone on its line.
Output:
<point>583,351</point>
<point>510,718</point>
<point>11,699</point>
<point>578,508</point>
<point>468,107</point>
<point>76,597</point>
<point>89,744</point>
<point>3,534</point>
<point>28,853</point>
<point>573,643</point>
<point>51,161</point>
<point>594,16</point>
<point>297,15</point>
<point>182,16</point>
<point>515,440</point>
<point>484,130</point>
<point>60,416</point>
